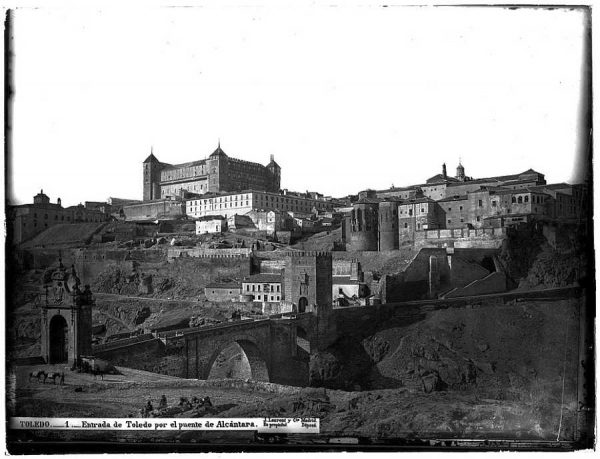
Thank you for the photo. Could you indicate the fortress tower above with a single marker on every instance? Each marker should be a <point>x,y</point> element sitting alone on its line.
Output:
<point>388,225</point>
<point>152,168</point>
<point>308,281</point>
<point>364,225</point>
<point>275,171</point>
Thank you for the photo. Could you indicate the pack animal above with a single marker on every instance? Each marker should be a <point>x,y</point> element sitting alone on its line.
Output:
<point>97,372</point>
<point>39,375</point>
<point>54,376</point>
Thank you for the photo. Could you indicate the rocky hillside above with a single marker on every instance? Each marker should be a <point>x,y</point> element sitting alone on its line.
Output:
<point>517,356</point>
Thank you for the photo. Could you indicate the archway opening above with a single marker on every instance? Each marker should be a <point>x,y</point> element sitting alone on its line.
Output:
<point>59,342</point>
<point>488,263</point>
<point>239,360</point>
<point>302,304</point>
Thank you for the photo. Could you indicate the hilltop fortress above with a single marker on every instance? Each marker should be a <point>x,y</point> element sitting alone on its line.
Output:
<point>217,173</point>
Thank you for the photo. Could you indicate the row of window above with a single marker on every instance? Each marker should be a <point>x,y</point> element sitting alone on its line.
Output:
<point>259,198</point>
<point>208,207</point>
<point>220,199</point>
<point>535,199</point>
<point>263,287</point>
<point>266,298</point>
<point>182,173</point>
<point>62,218</point>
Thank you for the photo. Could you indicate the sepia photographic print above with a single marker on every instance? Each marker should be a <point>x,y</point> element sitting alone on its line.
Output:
<point>300,227</point>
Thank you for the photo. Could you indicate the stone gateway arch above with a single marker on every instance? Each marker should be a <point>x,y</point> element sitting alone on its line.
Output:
<point>66,325</point>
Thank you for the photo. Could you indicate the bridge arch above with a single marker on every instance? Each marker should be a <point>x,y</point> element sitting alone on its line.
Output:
<point>238,357</point>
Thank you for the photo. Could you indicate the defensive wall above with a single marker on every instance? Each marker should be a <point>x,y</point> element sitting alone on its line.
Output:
<point>436,270</point>
<point>482,238</point>
<point>199,252</point>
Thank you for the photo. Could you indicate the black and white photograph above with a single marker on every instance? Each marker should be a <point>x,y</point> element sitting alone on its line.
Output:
<point>247,226</point>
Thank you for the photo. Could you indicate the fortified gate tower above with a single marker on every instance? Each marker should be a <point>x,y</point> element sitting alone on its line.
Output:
<point>307,280</point>
<point>66,317</point>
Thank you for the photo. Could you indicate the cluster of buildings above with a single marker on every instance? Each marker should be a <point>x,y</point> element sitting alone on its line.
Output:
<point>296,283</point>
<point>28,220</point>
<point>221,192</point>
<point>384,220</point>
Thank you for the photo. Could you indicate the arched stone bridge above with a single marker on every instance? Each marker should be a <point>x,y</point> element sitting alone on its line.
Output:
<point>277,349</point>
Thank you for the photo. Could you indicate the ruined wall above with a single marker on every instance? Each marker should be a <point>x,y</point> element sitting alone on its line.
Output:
<point>391,261</point>
<point>484,238</point>
<point>220,294</point>
<point>454,268</point>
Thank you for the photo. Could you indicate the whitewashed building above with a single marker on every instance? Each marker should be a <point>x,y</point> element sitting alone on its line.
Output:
<point>211,224</point>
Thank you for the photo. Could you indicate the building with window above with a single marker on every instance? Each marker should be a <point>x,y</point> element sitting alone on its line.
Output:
<point>443,186</point>
<point>28,220</point>
<point>229,204</point>
<point>263,287</point>
<point>445,202</point>
<point>222,291</point>
<point>217,173</point>
<point>211,225</point>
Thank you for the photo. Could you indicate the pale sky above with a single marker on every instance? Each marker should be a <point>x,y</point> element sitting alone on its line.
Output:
<point>346,98</point>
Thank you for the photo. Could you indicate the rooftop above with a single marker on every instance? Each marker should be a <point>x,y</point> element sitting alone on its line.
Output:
<point>416,201</point>
<point>266,278</point>
<point>224,285</point>
<point>208,218</point>
<point>344,280</point>
<point>439,178</point>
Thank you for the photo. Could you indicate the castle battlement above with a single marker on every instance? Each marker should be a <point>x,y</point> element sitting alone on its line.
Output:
<point>310,253</point>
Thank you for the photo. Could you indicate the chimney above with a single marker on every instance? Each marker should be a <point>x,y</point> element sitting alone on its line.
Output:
<point>444,173</point>
<point>272,157</point>
<point>59,202</point>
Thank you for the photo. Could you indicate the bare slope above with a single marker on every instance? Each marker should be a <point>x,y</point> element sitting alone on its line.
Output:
<point>65,235</point>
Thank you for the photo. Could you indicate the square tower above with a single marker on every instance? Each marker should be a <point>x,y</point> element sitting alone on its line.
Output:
<point>308,280</point>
